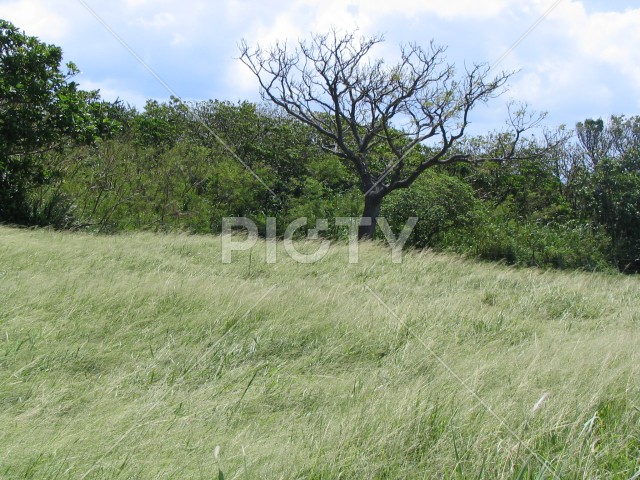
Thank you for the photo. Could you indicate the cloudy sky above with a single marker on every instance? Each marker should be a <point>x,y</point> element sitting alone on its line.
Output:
<point>581,60</point>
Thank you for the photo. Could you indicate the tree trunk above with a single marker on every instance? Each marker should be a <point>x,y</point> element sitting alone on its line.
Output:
<point>371,211</point>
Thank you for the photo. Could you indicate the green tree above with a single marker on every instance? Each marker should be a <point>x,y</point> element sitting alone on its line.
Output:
<point>40,110</point>
<point>161,125</point>
<point>611,191</point>
<point>281,150</point>
<point>595,139</point>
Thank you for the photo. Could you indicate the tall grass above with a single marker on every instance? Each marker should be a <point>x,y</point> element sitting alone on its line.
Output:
<point>143,356</point>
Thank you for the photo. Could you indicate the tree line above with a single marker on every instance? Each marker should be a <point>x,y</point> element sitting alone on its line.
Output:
<point>377,141</point>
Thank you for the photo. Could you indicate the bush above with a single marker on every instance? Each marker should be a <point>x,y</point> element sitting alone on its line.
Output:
<point>535,243</point>
<point>442,204</point>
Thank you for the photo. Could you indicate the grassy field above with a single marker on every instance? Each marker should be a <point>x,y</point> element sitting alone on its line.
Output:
<point>143,356</point>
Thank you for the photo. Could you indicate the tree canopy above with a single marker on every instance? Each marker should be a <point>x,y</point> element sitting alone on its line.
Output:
<point>40,110</point>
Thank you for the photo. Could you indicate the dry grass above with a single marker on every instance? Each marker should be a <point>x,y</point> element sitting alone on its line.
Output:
<point>135,356</point>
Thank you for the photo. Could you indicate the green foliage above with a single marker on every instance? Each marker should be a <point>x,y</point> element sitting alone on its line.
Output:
<point>522,212</point>
<point>615,197</point>
<point>529,186</point>
<point>441,202</point>
<point>594,139</point>
<point>70,160</point>
<point>160,125</point>
<point>167,171</point>
<point>530,243</point>
<point>40,111</point>
<point>611,192</point>
<point>120,186</point>
<point>575,207</point>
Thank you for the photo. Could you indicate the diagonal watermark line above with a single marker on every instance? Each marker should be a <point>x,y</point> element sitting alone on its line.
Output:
<point>389,170</point>
<point>168,88</point>
<point>206,353</point>
<point>126,46</point>
<point>464,384</point>
<point>492,67</point>
<point>526,34</point>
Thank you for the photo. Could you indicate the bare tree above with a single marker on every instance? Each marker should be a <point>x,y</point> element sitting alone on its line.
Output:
<point>390,122</point>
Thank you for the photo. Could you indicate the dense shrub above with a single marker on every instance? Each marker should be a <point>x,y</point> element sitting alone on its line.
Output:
<point>534,243</point>
<point>441,203</point>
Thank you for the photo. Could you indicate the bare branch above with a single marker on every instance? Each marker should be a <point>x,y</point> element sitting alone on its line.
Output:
<point>363,106</point>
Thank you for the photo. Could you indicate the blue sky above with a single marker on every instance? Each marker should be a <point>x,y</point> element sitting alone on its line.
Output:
<point>582,60</point>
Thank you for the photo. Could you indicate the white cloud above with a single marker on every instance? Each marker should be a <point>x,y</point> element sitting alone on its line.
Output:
<point>137,3</point>
<point>448,9</point>
<point>612,37</point>
<point>158,21</point>
<point>112,90</point>
<point>291,20</point>
<point>580,62</point>
<point>37,18</point>
<point>178,39</point>
<point>575,58</point>
<point>240,82</point>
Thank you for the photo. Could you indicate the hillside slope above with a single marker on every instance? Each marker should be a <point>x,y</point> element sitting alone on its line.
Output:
<point>143,356</point>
